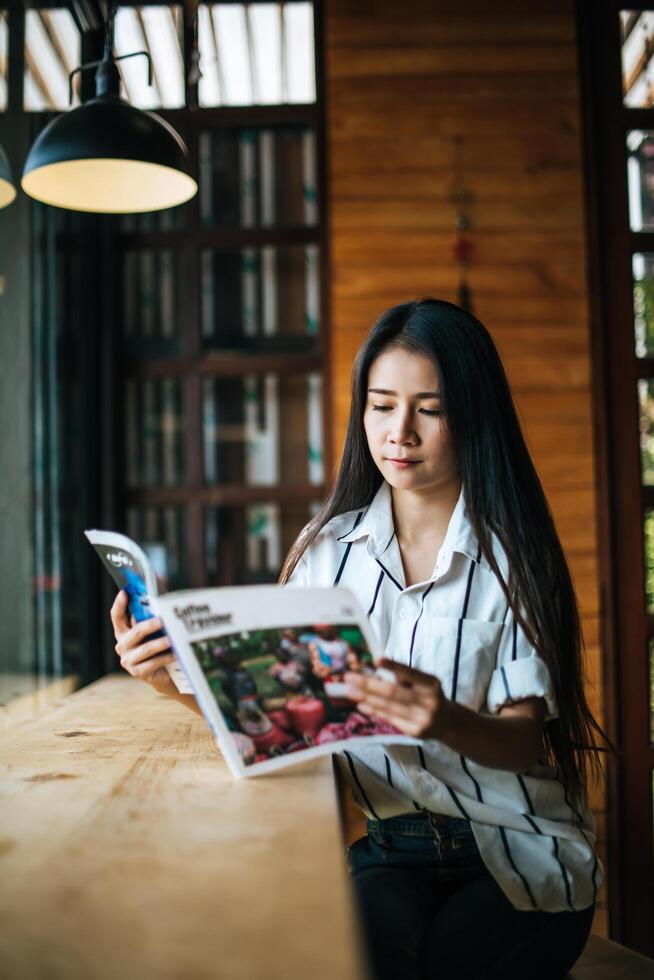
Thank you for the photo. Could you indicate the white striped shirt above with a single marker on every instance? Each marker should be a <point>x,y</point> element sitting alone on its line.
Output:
<point>457,626</point>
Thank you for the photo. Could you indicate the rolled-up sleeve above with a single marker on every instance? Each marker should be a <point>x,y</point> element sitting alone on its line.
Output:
<point>520,673</point>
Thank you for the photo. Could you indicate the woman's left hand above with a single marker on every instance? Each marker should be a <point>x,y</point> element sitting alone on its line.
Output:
<point>414,704</point>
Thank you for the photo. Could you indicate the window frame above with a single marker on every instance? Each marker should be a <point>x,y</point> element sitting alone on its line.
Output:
<point>622,499</point>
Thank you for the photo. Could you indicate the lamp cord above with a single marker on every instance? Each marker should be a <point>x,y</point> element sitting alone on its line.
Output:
<point>109,29</point>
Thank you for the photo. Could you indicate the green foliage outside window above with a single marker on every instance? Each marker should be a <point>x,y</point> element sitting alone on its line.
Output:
<point>644,317</point>
<point>646,425</point>
<point>648,526</point>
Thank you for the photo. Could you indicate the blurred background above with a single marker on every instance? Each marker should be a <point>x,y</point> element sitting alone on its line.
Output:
<point>182,375</point>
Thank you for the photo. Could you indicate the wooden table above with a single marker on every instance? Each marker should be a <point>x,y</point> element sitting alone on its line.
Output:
<point>128,851</point>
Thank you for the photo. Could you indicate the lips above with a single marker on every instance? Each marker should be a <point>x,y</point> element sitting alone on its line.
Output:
<point>403,464</point>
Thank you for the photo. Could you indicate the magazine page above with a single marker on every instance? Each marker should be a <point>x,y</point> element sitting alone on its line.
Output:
<point>267,666</point>
<point>130,569</point>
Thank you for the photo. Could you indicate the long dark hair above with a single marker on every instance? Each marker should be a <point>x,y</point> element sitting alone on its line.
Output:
<point>503,496</point>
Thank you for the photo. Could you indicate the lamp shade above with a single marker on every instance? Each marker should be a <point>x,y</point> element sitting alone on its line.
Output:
<point>7,189</point>
<point>107,156</point>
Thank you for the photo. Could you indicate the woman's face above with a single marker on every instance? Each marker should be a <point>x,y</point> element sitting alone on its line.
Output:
<point>404,424</point>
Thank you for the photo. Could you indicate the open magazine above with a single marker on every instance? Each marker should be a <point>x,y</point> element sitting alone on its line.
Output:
<point>266,663</point>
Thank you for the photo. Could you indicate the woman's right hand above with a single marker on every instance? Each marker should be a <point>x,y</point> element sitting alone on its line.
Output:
<point>140,656</point>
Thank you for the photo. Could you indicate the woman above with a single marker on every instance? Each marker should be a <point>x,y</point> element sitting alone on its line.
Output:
<point>478,859</point>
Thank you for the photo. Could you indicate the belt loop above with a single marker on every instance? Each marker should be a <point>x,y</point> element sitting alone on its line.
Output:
<point>434,826</point>
<point>376,833</point>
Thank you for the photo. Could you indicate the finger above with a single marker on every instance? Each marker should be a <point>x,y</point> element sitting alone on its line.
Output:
<point>408,675</point>
<point>390,693</point>
<point>145,670</point>
<point>375,685</point>
<point>118,613</point>
<point>401,724</point>
<point>137,655</point>
<point>140,631</point>
<point>130,639</point>
<point>409,702</point>
<point>365,683</point>
<point>406,711</point>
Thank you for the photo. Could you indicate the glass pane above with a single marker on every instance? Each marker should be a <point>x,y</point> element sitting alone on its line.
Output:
<point>648,535</point>
<point>157,30</point>
<point>636,34</point>
<point>264,298</point>
<point>256,54</point>
<point>149,301</point>
<point>646,425</point>
<point>160,532</point>
<point>643,273</point>
<point>52,51</point>
<point>154,432</point>
<point>640,179</point>
<point>263,430</point>
<point>44,448</point>
<point>258,177</point>
<point>249,544</point>
<point>4,57</point>
<point>55,397</point>
<point>299,52</point>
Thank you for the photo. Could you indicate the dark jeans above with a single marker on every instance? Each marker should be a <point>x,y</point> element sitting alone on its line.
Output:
<point>430,910</point>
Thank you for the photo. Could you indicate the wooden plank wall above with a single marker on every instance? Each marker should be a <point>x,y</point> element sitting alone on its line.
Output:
<point>402,81</point>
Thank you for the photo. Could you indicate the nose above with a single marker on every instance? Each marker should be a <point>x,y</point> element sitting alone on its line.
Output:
<point>402,432</point>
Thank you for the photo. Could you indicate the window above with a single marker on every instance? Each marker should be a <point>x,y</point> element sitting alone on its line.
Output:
<point>637,32</point>
<point>619,106</point>
<point>157,30</point>
<point>256,54</point>
<point>178,377</point>
<point>52,51</point>
<point>220,313</point>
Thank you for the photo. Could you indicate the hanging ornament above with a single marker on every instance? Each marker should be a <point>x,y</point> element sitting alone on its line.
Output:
<point>194,70</point>
<point>463,248</point>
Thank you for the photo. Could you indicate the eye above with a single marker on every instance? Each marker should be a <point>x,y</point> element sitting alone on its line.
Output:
<point>428,411</point>
<point>381,408</point>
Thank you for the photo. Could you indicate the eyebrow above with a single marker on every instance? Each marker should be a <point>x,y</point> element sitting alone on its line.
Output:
<point>420,394</point>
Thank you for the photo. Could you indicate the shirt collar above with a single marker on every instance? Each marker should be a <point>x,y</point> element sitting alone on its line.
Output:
<point>377,525</point>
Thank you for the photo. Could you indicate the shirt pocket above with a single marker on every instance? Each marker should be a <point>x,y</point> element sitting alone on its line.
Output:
<point>462,653</point>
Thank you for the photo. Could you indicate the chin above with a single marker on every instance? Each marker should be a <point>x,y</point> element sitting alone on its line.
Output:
<point>402,479</point>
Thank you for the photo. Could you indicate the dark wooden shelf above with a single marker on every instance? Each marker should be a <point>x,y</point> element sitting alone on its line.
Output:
<point>225,495</point>
<point>221,238</point>
<point>225,364</point>
<point>265,116</point>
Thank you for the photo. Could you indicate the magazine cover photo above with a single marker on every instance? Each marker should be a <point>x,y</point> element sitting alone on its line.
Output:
<point>282,690</point>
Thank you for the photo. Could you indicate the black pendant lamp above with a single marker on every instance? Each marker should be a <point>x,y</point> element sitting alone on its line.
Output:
<point>105,155</point>
<point>7,189</point>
